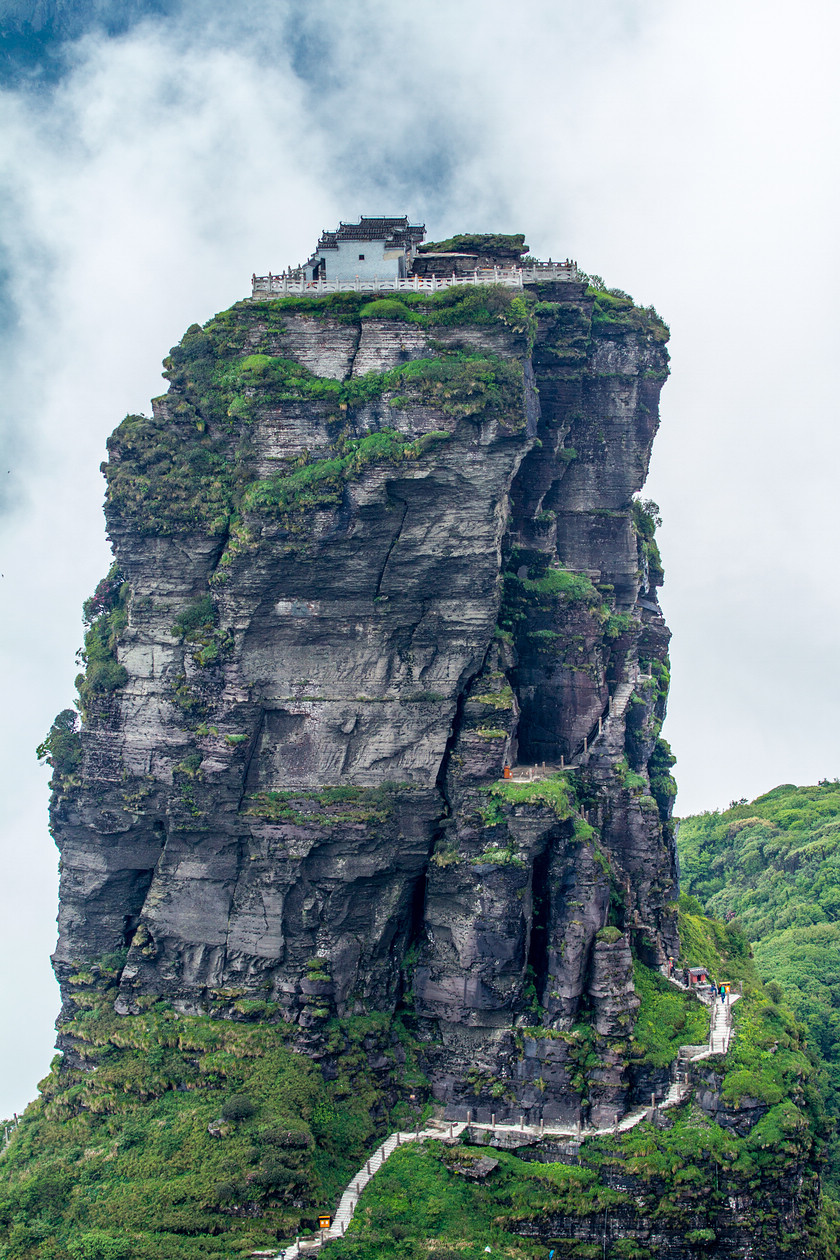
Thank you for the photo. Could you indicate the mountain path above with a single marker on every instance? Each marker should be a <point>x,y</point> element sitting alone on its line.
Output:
<point>720,1036</point>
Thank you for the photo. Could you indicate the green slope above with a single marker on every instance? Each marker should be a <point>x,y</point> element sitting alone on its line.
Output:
<point>773,867</point>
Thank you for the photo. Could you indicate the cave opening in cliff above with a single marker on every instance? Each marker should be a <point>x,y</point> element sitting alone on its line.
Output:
<point>415,937</point>
<point>537,967</point>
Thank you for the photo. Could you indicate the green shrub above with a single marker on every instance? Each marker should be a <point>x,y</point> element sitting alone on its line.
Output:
<point>556,792</point>
<point>386,308</point>
<point>558,581</point>
<point>666,1018</point>
<point>96,1244</point>
<point>614,312</point>
<point>478,243</point>
<point>196,619</point>
<point>663,786</point>
<point>62,747</point>
<point>646,520</point>
<point>609,935</point>
<point>238,1107</point>
<point>106,615</point>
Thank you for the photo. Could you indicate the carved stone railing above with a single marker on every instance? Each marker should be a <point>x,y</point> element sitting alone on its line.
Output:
<point>293,283</point>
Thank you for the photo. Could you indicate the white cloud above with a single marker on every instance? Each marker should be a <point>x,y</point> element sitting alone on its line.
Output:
<point>684,153</point>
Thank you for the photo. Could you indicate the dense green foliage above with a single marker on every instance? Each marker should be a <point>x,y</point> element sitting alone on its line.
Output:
<point>422,1206</point>
<point>556,791</point>
<point>193,1137</point>
<point>720,947</point>
<point>487,243</point>
<point>773,865</point>
<point>106,615</point>
<point>663,785</point>
<point>615,312</point>
<point>772,1059</point>
<point>167,478</point>
<point>666,1018</point>
<point>646,520</point>
<point>769,1058</point>
<point>62,746</point>
<point>488,304</point>
<point>189,467</point>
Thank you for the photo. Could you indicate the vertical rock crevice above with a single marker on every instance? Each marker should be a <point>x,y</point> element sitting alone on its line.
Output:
<point>373,562</point>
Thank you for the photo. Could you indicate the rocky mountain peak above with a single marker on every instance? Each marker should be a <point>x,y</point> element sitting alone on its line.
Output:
<point>373,692</point>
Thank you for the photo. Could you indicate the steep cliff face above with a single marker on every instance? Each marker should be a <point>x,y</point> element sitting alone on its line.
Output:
<point>369,553</point>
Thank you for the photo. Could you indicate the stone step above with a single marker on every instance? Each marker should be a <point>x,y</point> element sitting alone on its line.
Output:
<point>721,1031</point>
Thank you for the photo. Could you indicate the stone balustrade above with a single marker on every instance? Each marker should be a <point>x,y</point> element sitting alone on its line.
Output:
<point>291,284</point>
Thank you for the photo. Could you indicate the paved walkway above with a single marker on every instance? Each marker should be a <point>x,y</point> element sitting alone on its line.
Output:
<point>720,1035</point>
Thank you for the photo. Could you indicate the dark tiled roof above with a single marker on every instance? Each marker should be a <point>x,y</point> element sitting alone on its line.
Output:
<point>396,231</point>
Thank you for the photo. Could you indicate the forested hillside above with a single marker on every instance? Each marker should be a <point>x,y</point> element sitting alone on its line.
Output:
<point>773,865</point>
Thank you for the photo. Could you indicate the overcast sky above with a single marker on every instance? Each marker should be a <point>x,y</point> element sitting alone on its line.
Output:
<point>685,152</point>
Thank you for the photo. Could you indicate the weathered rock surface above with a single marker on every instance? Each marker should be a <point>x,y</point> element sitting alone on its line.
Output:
<point>363,564</point>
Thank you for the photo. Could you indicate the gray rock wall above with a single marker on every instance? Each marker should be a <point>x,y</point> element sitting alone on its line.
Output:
<point>413,549</point>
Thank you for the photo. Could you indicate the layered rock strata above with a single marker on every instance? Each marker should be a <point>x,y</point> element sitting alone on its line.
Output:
<point>369,554</point>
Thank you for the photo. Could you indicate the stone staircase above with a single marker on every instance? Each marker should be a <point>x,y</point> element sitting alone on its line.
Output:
<point>513,1134</point>
<point>621,698</point>
<point>721,1033</point>
<point>519,1134</point>
<point>720,1022</point>
<point>350,1197</point>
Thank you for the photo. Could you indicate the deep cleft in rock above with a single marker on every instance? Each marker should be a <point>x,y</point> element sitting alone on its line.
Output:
<point>373,691</point>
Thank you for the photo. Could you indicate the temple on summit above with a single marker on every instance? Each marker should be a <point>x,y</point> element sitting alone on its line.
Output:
<point>377,247</point>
